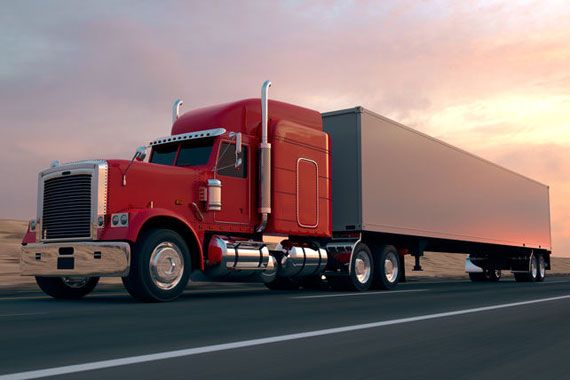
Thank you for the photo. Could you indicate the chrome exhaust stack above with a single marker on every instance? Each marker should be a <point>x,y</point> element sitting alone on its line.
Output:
<point>176,109</point>
<point>264,161</point>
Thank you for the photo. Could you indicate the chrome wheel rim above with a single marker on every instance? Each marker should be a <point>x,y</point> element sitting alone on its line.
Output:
<point>533,268</point>
<point>75,282</point>
<point>541,267</point>
<point>166,265</point>
<point>391,267</point>
<point>362,267</point>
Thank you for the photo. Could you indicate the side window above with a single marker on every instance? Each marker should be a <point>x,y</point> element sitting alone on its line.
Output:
<point>227,159</point>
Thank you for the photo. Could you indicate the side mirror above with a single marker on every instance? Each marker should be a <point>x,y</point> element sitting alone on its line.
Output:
<point>140,154</point>
<point>239,159</point>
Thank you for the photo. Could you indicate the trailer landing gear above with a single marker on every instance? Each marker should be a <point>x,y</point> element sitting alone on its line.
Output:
<point>418,252</point>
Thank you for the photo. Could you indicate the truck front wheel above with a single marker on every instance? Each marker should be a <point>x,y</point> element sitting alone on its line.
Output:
<point>160,267</point>
<point>67,287</point>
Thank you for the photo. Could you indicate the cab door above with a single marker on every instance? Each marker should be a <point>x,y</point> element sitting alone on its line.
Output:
<point>236,182</point>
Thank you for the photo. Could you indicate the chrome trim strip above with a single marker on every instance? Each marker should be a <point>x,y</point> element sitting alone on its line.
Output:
<point>317,187</point>
<point>114,259</point>
<point>188,136</point>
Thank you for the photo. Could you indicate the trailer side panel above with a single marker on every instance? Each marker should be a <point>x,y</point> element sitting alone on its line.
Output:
<point>412,184</point>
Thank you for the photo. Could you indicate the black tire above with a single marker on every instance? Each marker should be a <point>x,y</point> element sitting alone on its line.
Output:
<point>477,277</point>
<point>541,274</point>
<point>282,283</point>
<point>66,287</point>
<point>383,279</point>
<point>532,274</point>
<point>494,275</point>
<point>145,284</point>
<point>361,273</point>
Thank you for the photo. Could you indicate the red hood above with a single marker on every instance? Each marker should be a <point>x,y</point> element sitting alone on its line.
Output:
<point>160,185</point>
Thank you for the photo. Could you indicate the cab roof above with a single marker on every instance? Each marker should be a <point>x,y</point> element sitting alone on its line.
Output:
<point>244,116</point>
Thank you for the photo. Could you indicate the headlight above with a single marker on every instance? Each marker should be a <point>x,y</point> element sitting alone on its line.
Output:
<point>33,224</point>
<point>100,221</point>
<point>120,220</point>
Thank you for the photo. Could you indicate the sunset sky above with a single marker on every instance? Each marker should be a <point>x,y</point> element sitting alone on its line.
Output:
<point>96,79</point>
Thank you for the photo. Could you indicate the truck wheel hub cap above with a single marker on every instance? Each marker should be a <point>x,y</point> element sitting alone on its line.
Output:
<point>391,267</point>
<point>166,266</point>
<point>362,267</point>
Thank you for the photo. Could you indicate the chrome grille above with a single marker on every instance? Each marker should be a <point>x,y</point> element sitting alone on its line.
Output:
<point>67,207</point>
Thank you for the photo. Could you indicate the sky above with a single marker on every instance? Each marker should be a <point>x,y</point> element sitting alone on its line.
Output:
<point>93,79</point>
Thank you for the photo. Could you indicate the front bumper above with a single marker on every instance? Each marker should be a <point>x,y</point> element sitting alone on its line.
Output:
<point>94,259</point>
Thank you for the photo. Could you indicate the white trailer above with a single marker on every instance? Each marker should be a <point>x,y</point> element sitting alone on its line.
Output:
<point>394,184</point>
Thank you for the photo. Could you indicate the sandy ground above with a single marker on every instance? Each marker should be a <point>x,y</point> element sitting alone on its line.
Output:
<point>435,265</point>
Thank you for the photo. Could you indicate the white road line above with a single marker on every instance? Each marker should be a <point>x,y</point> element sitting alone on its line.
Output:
<point>428,282</point>
<point>20,315</point>
<point>553,282</point>
<point>65,370</point>
<point>362,294</point>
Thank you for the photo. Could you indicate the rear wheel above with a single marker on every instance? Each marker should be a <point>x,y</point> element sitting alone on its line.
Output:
<point>532,274</point>
<point>387,269</point>
<point>541,273</point>
<point>361,273</point>
<point>67,287</point>
<point>494,275</point>
<point>160,267</point>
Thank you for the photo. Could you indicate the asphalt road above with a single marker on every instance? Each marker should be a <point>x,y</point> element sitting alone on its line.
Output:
<point>425,330</point>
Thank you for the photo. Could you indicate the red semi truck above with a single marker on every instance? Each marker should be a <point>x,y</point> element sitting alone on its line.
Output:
<point>347,193</point>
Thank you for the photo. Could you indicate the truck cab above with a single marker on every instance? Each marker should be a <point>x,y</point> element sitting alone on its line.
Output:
<point>201,202</point>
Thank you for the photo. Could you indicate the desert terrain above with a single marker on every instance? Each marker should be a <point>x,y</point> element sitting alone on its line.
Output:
<point>435,265</point>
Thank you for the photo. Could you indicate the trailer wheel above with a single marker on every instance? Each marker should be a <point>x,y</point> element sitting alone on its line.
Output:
<point>387,271</point>
<point>67,287</point>
<point>361,273</point>
<point>532,274</point>
<point>160,267</point>
<point>493,275</point>
<point>541,273</point>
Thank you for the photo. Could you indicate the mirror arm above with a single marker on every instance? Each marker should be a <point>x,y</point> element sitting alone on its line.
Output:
<point>140,153</point>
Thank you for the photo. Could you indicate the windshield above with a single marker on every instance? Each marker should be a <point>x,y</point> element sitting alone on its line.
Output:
<point>164,154</point>
<point>188,153</point>
<point>195,152</point>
